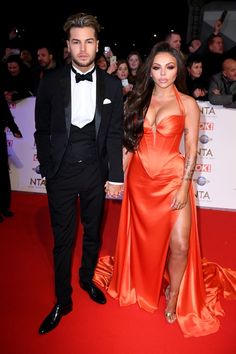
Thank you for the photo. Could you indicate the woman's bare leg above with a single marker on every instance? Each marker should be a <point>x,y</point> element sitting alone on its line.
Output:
<point>179,246</point>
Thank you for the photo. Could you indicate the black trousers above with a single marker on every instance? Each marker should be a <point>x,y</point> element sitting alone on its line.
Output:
<point>72,179</point>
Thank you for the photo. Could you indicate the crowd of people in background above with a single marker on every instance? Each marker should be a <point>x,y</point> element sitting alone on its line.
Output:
<point>22,68</point>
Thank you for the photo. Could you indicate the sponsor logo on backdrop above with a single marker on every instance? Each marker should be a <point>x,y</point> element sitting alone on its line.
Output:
<point>202,195</point>
<point>207,111</point>
<point>37,182</point>
<point>204,152</point>
<point>206,126</point>
<point>204,139</point>
<point>203,167</point>
<point>201,180</point>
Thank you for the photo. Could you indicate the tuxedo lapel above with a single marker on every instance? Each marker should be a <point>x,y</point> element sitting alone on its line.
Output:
<point>100,92</point>
<point>66,87</point>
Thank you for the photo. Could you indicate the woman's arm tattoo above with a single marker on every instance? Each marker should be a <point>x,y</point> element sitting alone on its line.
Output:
<point>190,162</point>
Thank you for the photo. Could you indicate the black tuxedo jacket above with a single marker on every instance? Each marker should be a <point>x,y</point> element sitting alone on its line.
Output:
<point>53,122</point>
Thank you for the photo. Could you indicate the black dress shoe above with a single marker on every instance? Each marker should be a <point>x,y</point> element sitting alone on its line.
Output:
<point>54,317</point>
<point>7,213</point>
<point>94,292</point>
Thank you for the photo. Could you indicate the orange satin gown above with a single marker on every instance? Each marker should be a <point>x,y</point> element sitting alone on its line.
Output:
<point>136,273</point>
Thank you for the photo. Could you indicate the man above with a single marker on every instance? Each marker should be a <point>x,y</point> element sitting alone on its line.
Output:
<point>79,145</point>
<point>222,88</point>
<point>46,62</point>
<point>6,120</point>
<point>214,56</point>
<point>174,39</point>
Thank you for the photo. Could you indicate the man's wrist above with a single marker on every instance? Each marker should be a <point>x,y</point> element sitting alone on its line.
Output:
<point>116,183</point>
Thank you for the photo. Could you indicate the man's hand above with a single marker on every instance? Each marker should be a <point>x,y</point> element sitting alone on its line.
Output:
<point>216,92</point>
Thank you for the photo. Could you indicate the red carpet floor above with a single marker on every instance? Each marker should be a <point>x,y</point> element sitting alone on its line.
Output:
<point>27,292</point>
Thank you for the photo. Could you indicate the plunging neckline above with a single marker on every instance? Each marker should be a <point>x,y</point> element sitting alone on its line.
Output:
<point>170,116</point>
<point>158,123</point>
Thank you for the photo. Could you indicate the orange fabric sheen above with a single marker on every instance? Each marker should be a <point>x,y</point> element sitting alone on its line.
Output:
<point>136,273</point>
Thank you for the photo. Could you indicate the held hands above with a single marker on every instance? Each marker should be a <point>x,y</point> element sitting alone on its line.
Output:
<point>114,190</point>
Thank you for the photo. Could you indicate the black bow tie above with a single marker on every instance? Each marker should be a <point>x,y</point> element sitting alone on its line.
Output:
<point>81,77</point>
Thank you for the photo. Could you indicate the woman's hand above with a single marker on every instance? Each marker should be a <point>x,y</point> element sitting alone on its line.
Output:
<point>112,68</point>
<point>127,89</point>
<point>180,199</point>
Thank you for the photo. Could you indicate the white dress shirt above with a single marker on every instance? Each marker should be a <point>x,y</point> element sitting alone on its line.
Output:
<point>83,100</point>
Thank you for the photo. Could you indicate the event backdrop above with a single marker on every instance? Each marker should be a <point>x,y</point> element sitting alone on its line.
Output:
<point>215,173</point>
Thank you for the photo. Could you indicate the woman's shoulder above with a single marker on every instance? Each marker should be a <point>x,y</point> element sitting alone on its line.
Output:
<point>188,100</point>
<point>190,104</point>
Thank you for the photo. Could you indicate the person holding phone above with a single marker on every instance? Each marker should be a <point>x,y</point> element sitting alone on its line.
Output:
<point>103,63</point>
<point>111,60</point>
<point>122,73</point>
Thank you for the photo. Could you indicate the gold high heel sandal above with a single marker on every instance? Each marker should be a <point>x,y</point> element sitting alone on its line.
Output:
<point>170,315</point>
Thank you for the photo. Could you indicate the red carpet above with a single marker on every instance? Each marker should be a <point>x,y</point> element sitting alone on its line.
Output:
<point>27,292</point>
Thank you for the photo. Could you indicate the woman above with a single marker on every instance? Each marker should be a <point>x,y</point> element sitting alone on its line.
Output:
<point>196,83</point>
<point>18,82</point>
<point>122,73</point>
<point>135,63</point>
<point>158,247</point>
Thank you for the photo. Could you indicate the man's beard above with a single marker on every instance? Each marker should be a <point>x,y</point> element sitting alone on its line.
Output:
<point>83,64</point>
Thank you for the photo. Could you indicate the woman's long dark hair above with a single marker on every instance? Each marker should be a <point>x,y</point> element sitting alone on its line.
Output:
<point>139,99</point>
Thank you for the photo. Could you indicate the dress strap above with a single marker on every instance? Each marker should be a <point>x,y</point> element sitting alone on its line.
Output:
<point>181,106</point>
